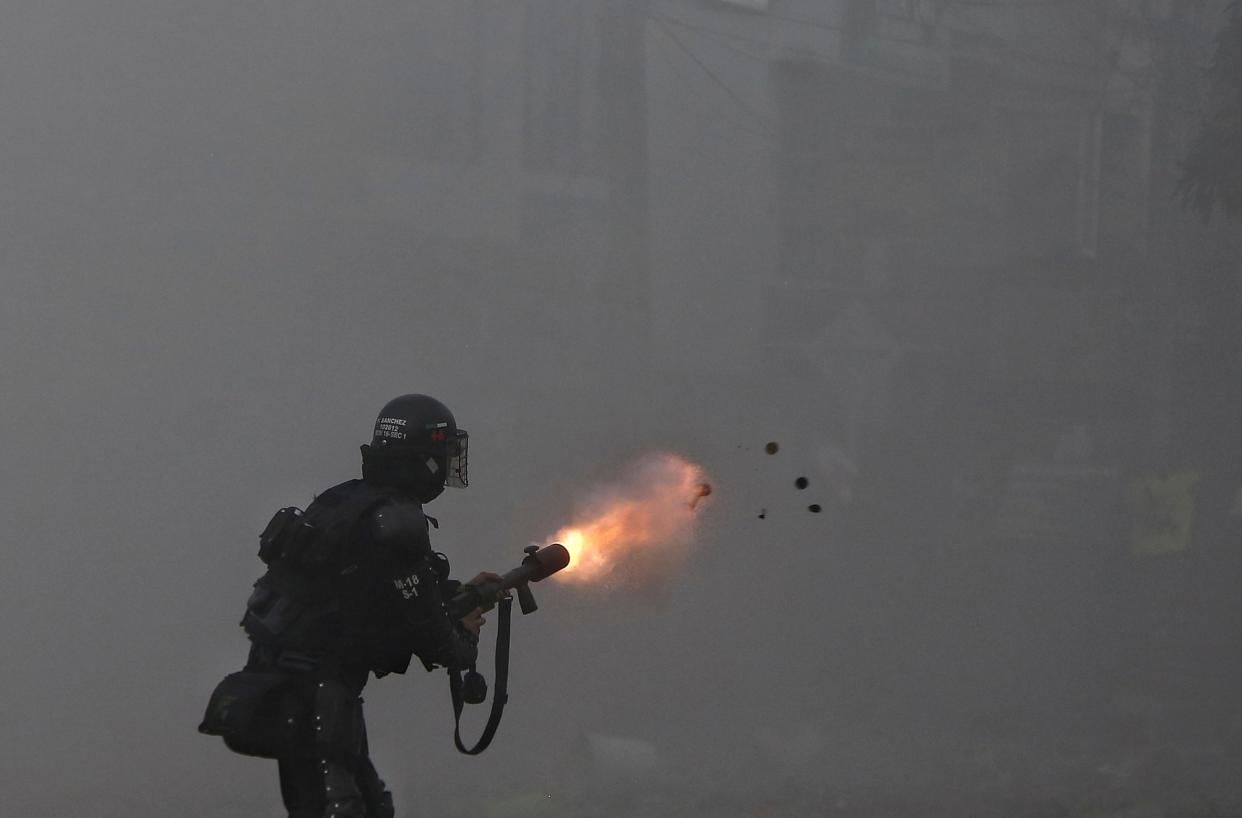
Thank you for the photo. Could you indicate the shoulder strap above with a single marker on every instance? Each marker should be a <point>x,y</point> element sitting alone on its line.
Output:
<point>500,694</point>
<point>358,496</point>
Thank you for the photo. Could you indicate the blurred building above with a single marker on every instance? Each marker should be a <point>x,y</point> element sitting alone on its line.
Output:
<point>950,226</point>
<point>943,239</point>
<point>936,237</point>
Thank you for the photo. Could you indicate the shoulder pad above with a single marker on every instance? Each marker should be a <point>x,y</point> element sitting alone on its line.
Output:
<point>399,523</point>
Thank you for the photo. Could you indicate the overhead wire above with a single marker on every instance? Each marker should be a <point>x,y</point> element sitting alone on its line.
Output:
<point>721,38</point>
<point>1009,4</point>
<point>1025,55</point>
<point>768,131</point>
<point>771,131</point>
<point>729,41</point>
<point>736,44</point>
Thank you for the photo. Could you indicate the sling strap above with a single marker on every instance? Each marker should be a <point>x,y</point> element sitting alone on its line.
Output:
<point>500,694</point>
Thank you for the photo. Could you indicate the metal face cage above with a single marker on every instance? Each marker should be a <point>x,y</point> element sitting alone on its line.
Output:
<point>455,468</point>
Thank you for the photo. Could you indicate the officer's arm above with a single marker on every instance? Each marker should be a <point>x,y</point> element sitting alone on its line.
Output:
<point>411,583</point>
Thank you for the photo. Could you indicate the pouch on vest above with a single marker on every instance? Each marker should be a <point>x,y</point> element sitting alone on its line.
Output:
<point>270,614</point>
<point>275,537</point>
<point>257,713</point>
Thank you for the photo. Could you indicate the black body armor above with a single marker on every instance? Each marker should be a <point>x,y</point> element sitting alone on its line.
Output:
<point>352,587</point>
<point>354,578</point>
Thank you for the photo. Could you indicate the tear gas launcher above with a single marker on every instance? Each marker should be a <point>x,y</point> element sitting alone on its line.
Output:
<point>538,564</point>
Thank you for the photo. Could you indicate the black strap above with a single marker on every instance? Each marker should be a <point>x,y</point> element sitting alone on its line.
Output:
<point>500,693</point>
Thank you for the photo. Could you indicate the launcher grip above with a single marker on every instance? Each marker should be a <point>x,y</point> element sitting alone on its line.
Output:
<point>526,600</point>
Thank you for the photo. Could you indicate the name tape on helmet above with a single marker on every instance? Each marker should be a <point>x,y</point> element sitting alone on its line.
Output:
<point>390,428</point>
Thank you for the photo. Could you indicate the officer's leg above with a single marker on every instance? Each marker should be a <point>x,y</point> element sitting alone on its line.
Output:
<point>325,788</point>
<point>377,798</point>
<point>340,739</point>
<point>301,786</point>
<point>342,797</point>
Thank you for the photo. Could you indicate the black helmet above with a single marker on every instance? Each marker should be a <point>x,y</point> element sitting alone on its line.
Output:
<point>417,446</point>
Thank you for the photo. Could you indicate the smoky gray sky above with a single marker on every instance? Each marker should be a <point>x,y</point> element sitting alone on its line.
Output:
<point>902,243</point>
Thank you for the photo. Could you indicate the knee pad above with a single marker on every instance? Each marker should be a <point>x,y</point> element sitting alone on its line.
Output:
<point>337,719</point>
<point>342,798</point>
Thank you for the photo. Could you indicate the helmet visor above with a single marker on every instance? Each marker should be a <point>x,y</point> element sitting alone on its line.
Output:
<point>456,460</point>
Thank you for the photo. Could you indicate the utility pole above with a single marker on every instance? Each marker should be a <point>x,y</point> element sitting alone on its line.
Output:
<point>1176,94</point>
<point>625,297</point>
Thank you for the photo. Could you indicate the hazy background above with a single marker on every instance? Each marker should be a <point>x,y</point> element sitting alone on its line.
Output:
<point>930,248</point>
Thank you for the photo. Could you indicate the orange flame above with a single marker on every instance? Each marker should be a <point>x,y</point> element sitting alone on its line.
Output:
<point>637,528</point>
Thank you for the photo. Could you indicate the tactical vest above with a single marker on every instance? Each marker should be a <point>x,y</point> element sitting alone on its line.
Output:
<point>311,569</point>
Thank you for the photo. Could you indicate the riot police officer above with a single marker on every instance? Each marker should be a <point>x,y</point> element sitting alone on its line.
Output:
<point>352,588</point>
